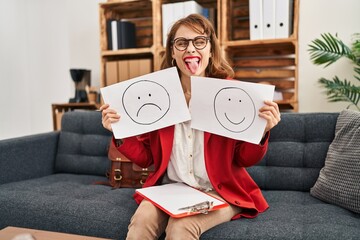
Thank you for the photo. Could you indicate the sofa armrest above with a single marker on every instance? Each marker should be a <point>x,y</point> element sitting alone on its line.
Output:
<point>28,157</point>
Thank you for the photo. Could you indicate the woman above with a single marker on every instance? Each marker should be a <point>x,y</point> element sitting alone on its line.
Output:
<point>202,160</point>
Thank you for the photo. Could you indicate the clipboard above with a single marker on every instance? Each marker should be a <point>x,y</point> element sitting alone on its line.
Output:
<point>180,200</point>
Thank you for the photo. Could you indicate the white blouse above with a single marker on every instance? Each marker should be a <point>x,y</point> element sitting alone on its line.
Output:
<point>187,163</point>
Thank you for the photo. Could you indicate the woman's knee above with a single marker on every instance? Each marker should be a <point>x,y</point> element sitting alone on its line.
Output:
<point>145,213</point>
<point>147,222</point>
<point>181,228</point>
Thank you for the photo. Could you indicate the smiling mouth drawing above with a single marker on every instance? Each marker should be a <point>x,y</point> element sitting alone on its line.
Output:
<point>235,123</point>
<point>147,104</point>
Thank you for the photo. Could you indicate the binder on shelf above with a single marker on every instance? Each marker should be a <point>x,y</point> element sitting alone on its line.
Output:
<point>114,35</point>
<point>108,34</point>
<point>190,7</point>
<point>180,200</point>
<point>111,72</point>
<point>126,35</point>
<point>177,13</point>
<point>283,17</point>
<point>171,12</point>
<point>144,66</point>
<point>256,19</point>
<point>134,66</point>
<point>166,20</point>
<point>268,19</point>
<point>122,35</point>
<point>123,70</point>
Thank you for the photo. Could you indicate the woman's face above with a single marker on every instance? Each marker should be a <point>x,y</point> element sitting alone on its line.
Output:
<point>191,61</point>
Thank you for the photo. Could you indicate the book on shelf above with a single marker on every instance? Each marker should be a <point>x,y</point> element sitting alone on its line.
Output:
<point>120,34</point>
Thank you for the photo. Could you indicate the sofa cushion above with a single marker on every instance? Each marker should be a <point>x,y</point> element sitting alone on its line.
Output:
<point>292,215</point>
<point>339,179</point>
<point>297,151</point>
<point>83,144</point>
<point>68,203</point>
<point>71,203</point>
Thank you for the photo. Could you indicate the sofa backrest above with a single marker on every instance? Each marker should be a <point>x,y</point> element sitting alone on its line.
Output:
<point>297,151</point>
<point>297,148</point>
<point>83,144</point>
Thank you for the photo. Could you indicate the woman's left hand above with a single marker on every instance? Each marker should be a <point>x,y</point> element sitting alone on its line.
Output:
<point>271,113</point>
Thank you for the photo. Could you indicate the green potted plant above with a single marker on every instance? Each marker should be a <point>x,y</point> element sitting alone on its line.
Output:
<point>327,50</point>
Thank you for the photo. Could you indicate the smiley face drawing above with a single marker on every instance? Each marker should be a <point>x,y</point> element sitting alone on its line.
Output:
<point>146,102</point>
<point>234,109</point>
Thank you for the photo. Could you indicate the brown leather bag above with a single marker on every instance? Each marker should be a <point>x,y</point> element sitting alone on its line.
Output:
<point>123,173</point>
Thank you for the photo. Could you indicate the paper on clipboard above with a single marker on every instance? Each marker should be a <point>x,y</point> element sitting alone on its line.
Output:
<point>171,198</point>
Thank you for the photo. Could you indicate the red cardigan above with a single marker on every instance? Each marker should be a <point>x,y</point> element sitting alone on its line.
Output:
<point>225,161</point>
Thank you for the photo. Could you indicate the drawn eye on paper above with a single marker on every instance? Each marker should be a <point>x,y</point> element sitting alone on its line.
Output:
<point>146,102</point>
<point>234,109</point>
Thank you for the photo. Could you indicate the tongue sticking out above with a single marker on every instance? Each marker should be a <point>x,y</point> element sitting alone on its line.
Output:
<point>193,64</point>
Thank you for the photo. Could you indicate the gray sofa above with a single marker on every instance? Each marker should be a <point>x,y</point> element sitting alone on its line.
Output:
<point>46,182</point>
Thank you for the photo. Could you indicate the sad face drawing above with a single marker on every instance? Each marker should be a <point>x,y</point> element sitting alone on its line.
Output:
<point>146,102</point>
<point>234,109</point>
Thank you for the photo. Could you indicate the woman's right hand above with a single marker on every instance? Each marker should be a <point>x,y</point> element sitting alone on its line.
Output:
<point>108,116</point>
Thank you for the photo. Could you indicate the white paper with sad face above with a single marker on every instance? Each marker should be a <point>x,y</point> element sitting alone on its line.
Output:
<point>229,108</point>
<point>147,103</point>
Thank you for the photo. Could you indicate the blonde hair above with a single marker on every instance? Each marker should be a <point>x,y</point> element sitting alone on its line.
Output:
<point>218,66</point>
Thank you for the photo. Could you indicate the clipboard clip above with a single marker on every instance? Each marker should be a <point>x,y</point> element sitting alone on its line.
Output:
<point>203,207</point>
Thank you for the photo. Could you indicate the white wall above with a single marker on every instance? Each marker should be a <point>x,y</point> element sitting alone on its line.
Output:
<point>40,40</point>
<point>84,36</point>
<point>324,16</point>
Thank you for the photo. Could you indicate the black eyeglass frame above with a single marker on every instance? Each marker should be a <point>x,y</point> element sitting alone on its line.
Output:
<point>207,39</point>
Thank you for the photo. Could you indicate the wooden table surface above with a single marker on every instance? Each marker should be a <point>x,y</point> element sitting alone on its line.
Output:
<point>16,233</point>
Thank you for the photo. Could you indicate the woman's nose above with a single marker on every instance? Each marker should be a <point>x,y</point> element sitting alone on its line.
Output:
<point>191,47</point>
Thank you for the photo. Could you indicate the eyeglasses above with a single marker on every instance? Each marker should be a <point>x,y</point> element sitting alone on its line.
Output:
<point>199,43</point>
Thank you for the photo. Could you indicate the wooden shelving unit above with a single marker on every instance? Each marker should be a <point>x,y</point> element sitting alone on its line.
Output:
<point>273,61</point>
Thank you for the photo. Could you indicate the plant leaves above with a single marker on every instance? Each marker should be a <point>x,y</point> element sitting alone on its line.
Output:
<point>341,91</point>
<point>328,50</point>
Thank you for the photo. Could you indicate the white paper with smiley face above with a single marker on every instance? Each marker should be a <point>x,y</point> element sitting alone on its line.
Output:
<point>229,107</point>
<point>147,103</point>
<point>234,109</point>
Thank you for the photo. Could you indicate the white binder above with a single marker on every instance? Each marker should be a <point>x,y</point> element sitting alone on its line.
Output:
<point>256,19</point>
<point>192,7</point>
<point>283,17</point>
<point>172,12</point>
<point>114,35</point>
<point>268,19</point>
<point>167,20</point>
<point>178,11</point>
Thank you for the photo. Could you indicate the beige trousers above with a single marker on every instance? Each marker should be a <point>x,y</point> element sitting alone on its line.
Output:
<point>149,222</point>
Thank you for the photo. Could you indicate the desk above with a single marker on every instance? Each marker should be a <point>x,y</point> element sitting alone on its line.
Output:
<point>59,109</point>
